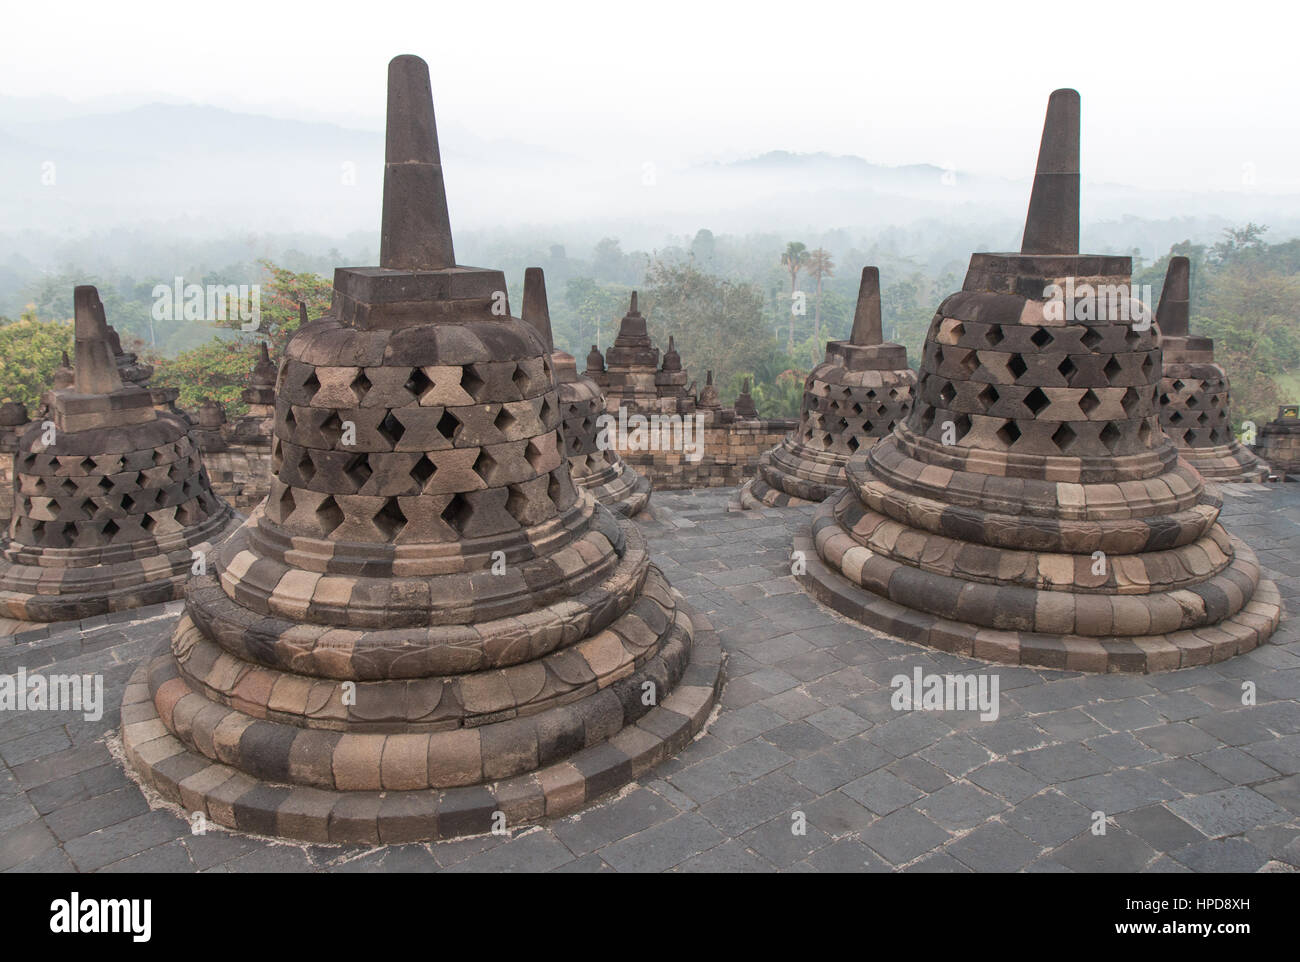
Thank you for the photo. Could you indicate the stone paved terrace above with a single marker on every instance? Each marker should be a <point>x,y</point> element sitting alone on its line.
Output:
<point>1189,778</point>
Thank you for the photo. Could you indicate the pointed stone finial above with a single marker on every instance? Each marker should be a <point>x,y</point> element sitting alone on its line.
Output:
<point>96,367</point>
<point>536,310</point>
<point>67,362</point>
<point>415,234</point>
<point>867,328</point>
<point>708,378</point>
<point>1052,226</point>
<point>302,313</point>
<point>632,309</point>
<point>1172,314</point>
<point>264,356</point>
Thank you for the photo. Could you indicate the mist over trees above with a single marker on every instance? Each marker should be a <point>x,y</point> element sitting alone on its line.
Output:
<point>758,305</point>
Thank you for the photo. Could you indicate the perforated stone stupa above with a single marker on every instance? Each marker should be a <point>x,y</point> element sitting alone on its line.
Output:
<point>1279,441</point>
<point>109,511</point>
<point>1030,510</point>
<point>1194,395</point>
<point>428,624</point>
<point>595,467</point>
<point>851,400</point>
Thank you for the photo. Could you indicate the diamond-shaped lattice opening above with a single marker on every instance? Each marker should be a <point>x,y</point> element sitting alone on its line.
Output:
<point>988,397</point>
<point>1110,436</point>
<point>88,465</point>
<point>110,528</point>
<point>69,487</point>
<point>424,470</point>
<point>1009,433</point>
<point>1192,402</point>
<point>1089,402</point>
<point>361,385</point>
<point>1067,369</point>
<point>844,425</point>
<point>128,502</point>
<point>311,385</point>
<point>520,377</point>
<point>963,426</point>
<point>1063,437</point>
<point>1147,365</point>
<point>1176,417</point>
<point>485,465</point>
<point>329,515</point>
<point>358,470</point>
<point>925,420</point>
<point>504,420</point>
<point>519,506</point>
<point>1037,401</point>
<point>185,515</point>
<point>938,356</point>
<point>105,485</point>
<point>148,522</point>
<point>1112,368</point>
<point>994,335</point>
<point>1017,366</point>
<point>852,443</point>
<point>306,468</point>
<point>448,425</point>
<point>417,383</point>
<point>947,393</point>
<point>391,429</point>
<point>1130,401</point>
<point>871,394</point>
<point>857,408</point>
<point>533,455</point>
<point>555,490</point>
<point>332,429</point>
<point>290,422</point>
<point>87,507</point>
<point>544,414</point>
<point>390,519</point>
<point>1091,339</point>
<point>971,362</point>
<point>1131,337</point>
<point>457,513</point>
<point>471,382</point>
<point>1202,418</point>
<point>287,504</point>
<point>1178,385</point>
<point>1041,338</point>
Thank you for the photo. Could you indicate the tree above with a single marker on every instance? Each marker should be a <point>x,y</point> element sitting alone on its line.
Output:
<point>793,260</point>
<point>30,351</point>
<point>820,265</point>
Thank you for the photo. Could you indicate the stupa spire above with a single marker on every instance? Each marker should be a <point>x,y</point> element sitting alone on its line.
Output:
<point>1052,226</point>
<point>536,310</point>
<point>867,329</point>
<point>1172,314</point>
<point>96,367</point>
<point>416,231</point>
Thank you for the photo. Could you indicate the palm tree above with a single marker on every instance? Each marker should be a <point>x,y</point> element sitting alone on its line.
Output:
<point>793,260</point>
<point>820,265</point>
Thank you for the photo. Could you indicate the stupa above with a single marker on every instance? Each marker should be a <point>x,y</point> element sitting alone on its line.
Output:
<point>1279,441</point>
<point>1030,510</point>
<point>851,400</point>
<point>595,466</point>
<point>1194,395</point>
<point>631,362</point>
<point>112,509</point>
<point>428,630</point>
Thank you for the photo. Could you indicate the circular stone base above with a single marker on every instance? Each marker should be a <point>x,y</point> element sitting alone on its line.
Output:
<point>134,584</point>
<point>232,798</point>
<point>1226,463</point>
<point>1240,633</point>
<point>757,493</point>
<point>626,494</point>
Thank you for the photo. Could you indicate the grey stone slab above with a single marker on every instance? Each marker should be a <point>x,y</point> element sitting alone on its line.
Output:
<point>728,770</point>
<point>1221,855</point>
<point>1227,812</point>
<point>960,806</point>
<point>761,800</point>
<point>626,815</point>
<point>1007,781</point>
<point>781,841</point>
<point>882,792</point>
<point>1158,827</point>
<point>904,836</point>
<point>1061,763</point>
<point>1119,791</point>
<point>663,846</point>
<point>1049,819</point>
<point>994,848</point>
<point>832,767</point>
<point>1116,851</point>
<point>533,851</point>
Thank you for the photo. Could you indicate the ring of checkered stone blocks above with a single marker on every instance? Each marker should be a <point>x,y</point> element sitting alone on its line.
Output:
<point>1249,627</point>
<point>351,651</point>
<point>525,719</point>
<point>110,495</point>
<point>238,800</point>
<point>438,584</point>
<point>618,486</point>
<point>442,451</point>
<point>1008,378</point>
<point>1194,405</point>
<point>433,702</point>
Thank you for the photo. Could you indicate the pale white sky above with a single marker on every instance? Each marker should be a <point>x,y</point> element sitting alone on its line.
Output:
<point>1183,95</point>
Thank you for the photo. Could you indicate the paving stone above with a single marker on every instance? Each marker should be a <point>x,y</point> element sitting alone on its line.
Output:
<point>1060,763</point>
<point>846,855</point>
<point>536,850</point>
<point>1221,855</point>
<point>827,770</point>
<point>1236,766</point>
<point>1049,819</point>
<point>1119,791</point>
<point>777,841</point>
<point>597,827</point>
<point>1116,851</point>
<point>994,848</point>
<point>663,846</point>
<point>960,806</point>
<point>1158,827</point>
<point>1227,812</point>
<point>729,857</point>
<point>1007,781</point>
<point>904,836</point>
<point>762,799</point>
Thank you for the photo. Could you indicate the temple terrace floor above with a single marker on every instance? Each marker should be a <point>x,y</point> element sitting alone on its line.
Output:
<point>1188,778</point>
